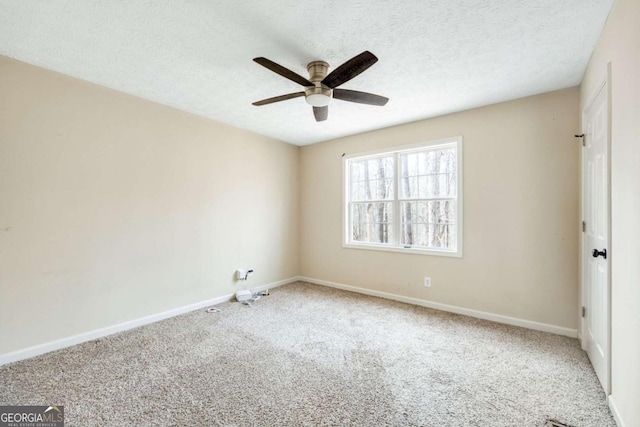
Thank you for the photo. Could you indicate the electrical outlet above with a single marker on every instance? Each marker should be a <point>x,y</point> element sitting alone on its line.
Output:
<point>427,282</point>
<point>241,274</point>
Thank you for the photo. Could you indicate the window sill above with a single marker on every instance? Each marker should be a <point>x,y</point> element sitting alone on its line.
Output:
<point>403,250</point>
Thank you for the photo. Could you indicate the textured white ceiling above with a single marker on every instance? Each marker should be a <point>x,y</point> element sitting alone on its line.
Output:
<point>435,56</point>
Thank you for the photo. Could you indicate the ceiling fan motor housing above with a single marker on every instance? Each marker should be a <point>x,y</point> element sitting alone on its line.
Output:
<point>318,95</point>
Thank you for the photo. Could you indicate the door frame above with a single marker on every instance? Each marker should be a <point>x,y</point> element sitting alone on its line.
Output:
<point>604,84</point>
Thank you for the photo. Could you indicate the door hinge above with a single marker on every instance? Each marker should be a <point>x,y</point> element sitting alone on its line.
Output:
<point>584,226</point>
<point>583,139</point>
<point>584,311</point>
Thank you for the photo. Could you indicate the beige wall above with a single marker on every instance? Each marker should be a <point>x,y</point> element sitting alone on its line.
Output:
<point>520,260</point>
<point>619,44</point>
<point>113,208</point>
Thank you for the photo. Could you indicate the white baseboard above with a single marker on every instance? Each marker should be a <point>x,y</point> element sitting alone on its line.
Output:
<point>559,330</point>
<point>37,350</point>
<point>614,411</point>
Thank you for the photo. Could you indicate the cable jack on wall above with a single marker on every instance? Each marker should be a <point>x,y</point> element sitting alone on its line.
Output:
<point>244,295</point>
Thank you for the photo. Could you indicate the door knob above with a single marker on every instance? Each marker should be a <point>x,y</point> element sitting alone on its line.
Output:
<point>596,253</point>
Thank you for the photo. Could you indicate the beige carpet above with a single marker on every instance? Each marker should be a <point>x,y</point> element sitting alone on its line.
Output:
<point>311,356</point>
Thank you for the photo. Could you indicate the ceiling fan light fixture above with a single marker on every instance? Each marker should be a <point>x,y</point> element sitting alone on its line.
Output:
<point>318,100</point>
<point>318,96</point>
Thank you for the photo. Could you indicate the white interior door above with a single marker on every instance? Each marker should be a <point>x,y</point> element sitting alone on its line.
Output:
<point>595,208</point>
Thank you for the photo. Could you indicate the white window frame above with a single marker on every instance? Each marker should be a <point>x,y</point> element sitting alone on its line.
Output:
<point>346,229</point>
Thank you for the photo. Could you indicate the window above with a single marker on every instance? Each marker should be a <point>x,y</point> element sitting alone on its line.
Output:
<point>406,200</point>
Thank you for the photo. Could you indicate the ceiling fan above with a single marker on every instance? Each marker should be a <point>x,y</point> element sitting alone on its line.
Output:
<point>322,87</point>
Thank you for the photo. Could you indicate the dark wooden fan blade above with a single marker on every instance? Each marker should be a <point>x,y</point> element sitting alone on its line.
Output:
<point>350,69</point>
<point>279,98</point>
<point>321,113</point>
<point>284,72</point>
<point>359,97</point>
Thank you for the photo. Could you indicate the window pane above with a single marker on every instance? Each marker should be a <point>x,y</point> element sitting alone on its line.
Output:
<point>372,222</point>
<point>372,179</point>
<point>430,173</point>
<point>423,161</point>
<point>409,187</point>
<point>429,224</point>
